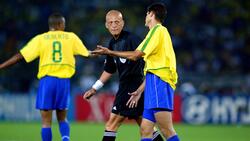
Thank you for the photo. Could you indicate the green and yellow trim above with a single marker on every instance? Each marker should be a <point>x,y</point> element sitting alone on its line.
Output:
<point>58,65</point>
<point>148,39</point>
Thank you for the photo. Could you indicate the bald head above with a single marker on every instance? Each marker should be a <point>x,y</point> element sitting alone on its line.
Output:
<point>114,22</point>
<point>114,13</point>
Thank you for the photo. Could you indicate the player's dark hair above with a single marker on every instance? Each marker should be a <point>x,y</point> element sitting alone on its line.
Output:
<point>55,19</point>
<point>159,10</point>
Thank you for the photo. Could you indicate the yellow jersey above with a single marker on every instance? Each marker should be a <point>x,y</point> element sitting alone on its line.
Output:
<point>159,54</point>
<point>56,50</point>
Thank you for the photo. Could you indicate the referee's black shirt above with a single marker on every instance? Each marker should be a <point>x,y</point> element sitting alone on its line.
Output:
<point>128,70</point>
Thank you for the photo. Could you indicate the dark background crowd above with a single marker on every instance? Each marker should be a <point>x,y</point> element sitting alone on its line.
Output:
<point>211,40</point>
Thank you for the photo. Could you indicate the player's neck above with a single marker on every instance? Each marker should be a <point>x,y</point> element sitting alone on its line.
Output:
<point>153,24</point>
<point>55,29</point>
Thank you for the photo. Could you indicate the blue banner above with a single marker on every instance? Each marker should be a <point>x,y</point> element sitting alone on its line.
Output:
<point>215,109</point>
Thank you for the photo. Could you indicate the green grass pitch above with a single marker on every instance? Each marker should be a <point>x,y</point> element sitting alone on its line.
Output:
<point>30,131</point>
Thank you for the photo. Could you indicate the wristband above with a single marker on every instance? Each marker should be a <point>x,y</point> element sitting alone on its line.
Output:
<point>98,85</point>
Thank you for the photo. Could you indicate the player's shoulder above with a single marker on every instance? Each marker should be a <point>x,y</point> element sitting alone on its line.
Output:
<point>38,36</point>
<point>163,28</point>
<point>70,33</point>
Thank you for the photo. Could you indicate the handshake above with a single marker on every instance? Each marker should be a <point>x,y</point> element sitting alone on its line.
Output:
<point>100,50</point>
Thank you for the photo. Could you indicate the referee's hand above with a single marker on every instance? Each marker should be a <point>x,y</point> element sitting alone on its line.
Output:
<point>133,100</point>
<point>101,50</point>
<point>87,95</point>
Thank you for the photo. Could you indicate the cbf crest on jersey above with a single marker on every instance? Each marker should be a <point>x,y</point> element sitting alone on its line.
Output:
<point>123,60</point>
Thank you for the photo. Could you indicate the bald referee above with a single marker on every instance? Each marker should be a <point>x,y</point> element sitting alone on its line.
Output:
<point>130,78</point>
<point>161,76</point>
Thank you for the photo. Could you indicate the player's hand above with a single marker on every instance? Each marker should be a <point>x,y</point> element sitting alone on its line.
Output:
<point>93,54</point>
<point>133,100</point>
<point>89,93</point>
<point>101,50</point>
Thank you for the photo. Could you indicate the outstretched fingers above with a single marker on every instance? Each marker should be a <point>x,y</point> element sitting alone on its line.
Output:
<point>132,102</point>
<point>100,50</point>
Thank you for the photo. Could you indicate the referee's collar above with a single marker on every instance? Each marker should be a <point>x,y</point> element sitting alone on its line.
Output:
<point>120,35</point>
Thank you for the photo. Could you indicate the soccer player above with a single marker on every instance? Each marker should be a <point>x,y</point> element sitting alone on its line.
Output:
<point>130,77</point>
<point>55,49</point>
<point>161,75</point>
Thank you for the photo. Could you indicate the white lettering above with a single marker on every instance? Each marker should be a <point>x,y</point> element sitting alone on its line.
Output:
<point>196,109</point>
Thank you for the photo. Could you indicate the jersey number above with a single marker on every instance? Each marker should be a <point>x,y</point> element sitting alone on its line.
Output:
<point>57,51</point>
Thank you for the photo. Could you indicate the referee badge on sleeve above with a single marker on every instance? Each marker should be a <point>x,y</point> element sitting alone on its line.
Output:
<point>123,60</point>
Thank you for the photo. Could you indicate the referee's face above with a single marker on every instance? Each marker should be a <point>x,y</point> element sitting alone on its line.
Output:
<point>114,23</point>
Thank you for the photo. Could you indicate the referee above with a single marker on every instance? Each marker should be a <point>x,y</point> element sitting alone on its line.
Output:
<point>130,78</point>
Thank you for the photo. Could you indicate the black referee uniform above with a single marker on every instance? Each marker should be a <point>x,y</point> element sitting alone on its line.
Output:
<point>130,74</point>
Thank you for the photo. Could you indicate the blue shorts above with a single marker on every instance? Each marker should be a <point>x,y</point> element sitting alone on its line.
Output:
<point>158,93</point>
<point>150,113</point>
<point>53,93</point>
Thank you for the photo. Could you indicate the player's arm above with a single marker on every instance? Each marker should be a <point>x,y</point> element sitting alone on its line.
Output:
<point>98,85</point>
<point>131,55</point>
<point>90,54</point>
<point>79,48</point>
<point>29,52</point>
<point>135,96</point>
<point>13,60</point>
<point>140,89</point>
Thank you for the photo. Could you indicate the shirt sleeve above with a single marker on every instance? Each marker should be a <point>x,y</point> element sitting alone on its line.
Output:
<point>79,48</point>
<point>109,64</point>
<point>150,42</point>
<point>31,50</point>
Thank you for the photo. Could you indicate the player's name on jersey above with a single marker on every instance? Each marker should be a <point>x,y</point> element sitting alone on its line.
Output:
<point>56,36</point>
